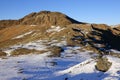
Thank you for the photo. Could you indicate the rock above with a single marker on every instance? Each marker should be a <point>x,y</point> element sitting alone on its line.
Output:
<point>2,54</point>
<point>55,51</point>
<point>100,26</point>
<point>103,64</point>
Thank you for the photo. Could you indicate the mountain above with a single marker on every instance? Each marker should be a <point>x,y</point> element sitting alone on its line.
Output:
<point>47,18</point>
<point>46,25</point>
<point>48,43</point>
<point>41,18</point>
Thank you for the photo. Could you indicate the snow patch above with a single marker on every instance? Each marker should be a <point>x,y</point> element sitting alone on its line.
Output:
<point>20,36</point>
<point>115,51</point>
<point>33,25</point>
<point>37,45</point>
<point>18,66</point>
<point>55,29</point>
<point>61,43</point>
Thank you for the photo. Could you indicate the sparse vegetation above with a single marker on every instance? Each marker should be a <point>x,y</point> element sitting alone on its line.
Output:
<point>23,51</point>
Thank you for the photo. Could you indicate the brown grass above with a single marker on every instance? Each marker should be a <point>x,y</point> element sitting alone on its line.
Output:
<point>7,34</point>
<point>2,54</point>
<point>11,32</point>
<point>24,51</point>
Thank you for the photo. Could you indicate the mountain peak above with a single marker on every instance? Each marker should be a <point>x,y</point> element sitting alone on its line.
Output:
<point>47,18</point>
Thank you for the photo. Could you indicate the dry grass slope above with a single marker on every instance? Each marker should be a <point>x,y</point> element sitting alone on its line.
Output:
<point>24,51</point>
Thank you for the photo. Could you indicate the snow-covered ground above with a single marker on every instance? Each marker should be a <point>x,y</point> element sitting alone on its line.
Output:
<point>86,71</point>
<point>71,65</point>
<point>37,45</point>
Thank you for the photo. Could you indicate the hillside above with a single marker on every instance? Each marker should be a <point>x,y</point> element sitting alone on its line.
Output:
<point>47,43</point>
<point>41,18</point>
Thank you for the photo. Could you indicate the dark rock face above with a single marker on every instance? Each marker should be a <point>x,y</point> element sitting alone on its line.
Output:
<point>98,37</point>
<point>109,37</point>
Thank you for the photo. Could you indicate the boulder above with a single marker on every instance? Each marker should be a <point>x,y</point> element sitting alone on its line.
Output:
<point>103,64</point>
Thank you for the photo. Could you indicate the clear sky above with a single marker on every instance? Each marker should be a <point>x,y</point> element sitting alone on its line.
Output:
<point>92,11</point>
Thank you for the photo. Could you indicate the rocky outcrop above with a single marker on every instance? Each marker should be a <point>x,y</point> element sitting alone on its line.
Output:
<point>100,37</point>
<point>109,36</point>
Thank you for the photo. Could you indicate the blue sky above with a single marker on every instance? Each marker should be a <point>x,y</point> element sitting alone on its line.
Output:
<point>92,11</point>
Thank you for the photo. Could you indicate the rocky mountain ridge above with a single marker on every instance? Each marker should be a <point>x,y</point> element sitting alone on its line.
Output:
<point>62,27</point>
